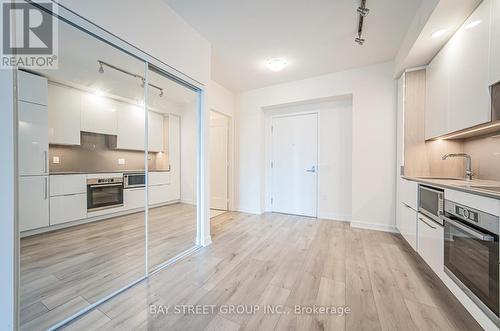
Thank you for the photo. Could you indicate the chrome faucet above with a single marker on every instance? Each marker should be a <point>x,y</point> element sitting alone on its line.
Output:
<point>468,168</point>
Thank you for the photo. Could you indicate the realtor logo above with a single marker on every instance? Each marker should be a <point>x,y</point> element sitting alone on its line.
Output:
<point>29,35</point>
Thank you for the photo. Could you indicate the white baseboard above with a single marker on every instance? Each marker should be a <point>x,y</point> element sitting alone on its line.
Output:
<point>374,226</point>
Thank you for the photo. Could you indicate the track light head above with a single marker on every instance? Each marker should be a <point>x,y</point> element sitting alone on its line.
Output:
<point>359,40</point>
<point>363,11</point>
<point>101,69</point>
<point>161,93</point>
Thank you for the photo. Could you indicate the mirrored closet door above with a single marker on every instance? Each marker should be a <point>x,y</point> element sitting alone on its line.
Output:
<point>82,191</point>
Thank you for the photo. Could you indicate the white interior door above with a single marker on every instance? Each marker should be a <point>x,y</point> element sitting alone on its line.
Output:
<point>219,127</point>
<point>294,164</point>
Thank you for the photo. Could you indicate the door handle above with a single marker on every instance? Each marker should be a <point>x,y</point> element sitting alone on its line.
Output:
<point>313,169</point>
<point>45,161</point>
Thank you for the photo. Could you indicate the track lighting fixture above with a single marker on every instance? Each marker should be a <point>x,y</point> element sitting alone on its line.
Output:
<point>363,12</point>
<point>143,80</point>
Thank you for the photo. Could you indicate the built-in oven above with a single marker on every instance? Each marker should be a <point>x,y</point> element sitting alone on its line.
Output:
<point>103,193</point>
<point>134,179</point>
<point>471,254</point>
<point>431,202</point>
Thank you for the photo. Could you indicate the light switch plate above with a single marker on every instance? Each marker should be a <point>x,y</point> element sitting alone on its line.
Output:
<point>121,161</point>
<point>55,159</point>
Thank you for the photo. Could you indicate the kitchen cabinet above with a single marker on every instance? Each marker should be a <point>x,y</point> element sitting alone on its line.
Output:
<point>99,114</point>
<point>400,124</point>
<point>68,208</point>
<point>174,154</point>
<point>155,132</point>
<point>130,127</point>
<point>457,94</point>
<point>159,178</point>
<point>468,57</point>
<point>495,43</point>
<point>159,194</point>
<point>33,202</point>
<point>437,89</point>
<point>64,115</point>
<point>431,243</point>
<point>134,198</point>
<point>33,139</point>
<point>407,224</point>
<point>68,184</point>
<point>32,88</point>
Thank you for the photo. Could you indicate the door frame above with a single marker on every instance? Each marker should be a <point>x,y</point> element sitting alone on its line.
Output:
<point>230,157</point>
<point>271,153</point>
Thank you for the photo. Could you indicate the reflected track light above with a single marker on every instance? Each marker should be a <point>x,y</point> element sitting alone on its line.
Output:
<point>363,12</point>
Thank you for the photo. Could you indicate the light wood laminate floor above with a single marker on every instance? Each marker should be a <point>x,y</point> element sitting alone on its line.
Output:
<point>66,270</point>
<point>287,260</point>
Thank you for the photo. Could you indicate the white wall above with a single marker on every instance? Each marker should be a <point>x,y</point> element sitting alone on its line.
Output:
<point>373,139</point>
<point>7,199</point>
<point>334,155</point>
<point>220,99</point>
<point>153,27</point>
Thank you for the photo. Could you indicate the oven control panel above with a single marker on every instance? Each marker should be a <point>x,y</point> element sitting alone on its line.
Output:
<point>106,180</point>
<point>467,214</point>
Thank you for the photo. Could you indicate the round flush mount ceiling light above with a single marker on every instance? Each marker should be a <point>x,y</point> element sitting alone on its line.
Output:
<point>276,64</point>
<point>439,33</point>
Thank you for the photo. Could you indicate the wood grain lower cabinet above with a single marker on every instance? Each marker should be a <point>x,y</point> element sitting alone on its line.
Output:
<point>431,243</point>
<point>33,202</point>
<point>68,208</point>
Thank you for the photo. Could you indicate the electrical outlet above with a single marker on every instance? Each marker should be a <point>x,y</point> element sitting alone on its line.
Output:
<point>121,161</point>
<point>55,159</point>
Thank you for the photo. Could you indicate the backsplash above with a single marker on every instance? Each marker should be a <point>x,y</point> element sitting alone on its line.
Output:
<point>96,154</point>
<point>485,153</point>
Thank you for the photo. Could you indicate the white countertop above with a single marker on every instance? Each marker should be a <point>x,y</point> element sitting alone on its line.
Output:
<point>474,186</point>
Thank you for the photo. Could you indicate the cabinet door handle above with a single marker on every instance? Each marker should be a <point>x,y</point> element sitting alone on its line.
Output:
<point>45,188</point>
<point>45,161</point>
<point>427,223</point>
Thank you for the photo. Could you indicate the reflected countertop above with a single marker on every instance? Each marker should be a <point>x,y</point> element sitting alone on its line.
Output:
<point>121,171</point>
<point>487,188</point>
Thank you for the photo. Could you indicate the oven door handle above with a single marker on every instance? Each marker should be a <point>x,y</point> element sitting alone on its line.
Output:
<point>105,185</point>
<point>469,230</point>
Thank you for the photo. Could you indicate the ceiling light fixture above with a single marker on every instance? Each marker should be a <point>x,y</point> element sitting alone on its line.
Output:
<point>473,24</point>
<point>276,64</point>
<point>439,33</point>
<point>363,12</point>
<point>101,69</point>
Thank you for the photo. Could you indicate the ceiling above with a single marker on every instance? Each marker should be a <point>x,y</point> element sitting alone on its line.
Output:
<point>316,36</point>
<point>78,54</point>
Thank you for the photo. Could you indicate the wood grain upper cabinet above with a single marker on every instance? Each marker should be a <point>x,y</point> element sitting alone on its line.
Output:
<point>468,57</point>
<point>64,115</point>
<point>99,114</point>
<point>130,127</point>
<point>495,43</point>
<point>155,132</point>
<point>436,95</point>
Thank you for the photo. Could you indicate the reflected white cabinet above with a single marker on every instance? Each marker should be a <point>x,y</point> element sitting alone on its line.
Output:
<point>431,243</point>
<point>99,114</point>
<point>407,224</point>
<point>495,43</point>
<point>174,154</point>
<point>33,202</point>
<point>468,58</point>
<point>68,208</point>
<point>155,132</point>
<point>130,127</point>
<point>32,88</point>
<point>436,94</point>
<point>159,194</point>
<point>134,198</point>
<point>64,115</point>
<point>33,139</point>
